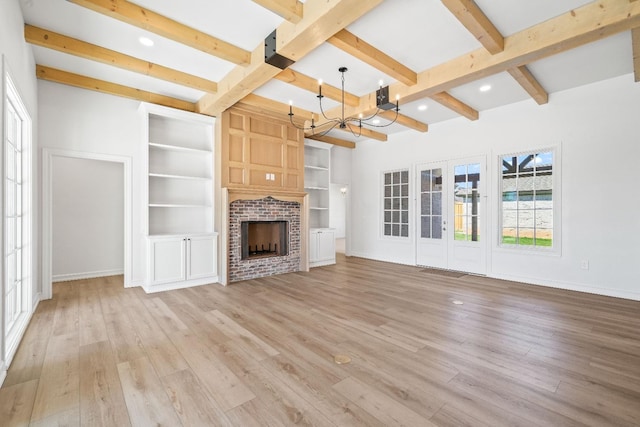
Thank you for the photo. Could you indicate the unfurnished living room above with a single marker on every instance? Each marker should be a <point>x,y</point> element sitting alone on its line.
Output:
<point>320,212</point>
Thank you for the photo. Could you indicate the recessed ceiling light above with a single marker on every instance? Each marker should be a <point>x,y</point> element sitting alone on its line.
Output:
<point>485,88</point>
<point>457,302</point>
<point>145,41</point>
<point>375,121</point>
<point>422,107</point>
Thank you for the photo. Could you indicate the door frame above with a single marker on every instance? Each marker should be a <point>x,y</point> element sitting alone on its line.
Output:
<point>48,155</point>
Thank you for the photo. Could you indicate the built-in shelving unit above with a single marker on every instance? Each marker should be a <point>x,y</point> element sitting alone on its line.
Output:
<point>317,178</point>
<point>178,152</point>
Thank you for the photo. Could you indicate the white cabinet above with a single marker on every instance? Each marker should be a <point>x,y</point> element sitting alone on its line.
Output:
<point>178,198</point>
<point>322,247</point>
<point>181,261</point>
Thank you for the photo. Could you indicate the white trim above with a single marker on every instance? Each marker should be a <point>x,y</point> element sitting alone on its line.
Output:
<point>213,280</point>
<point>570,286</point>
<point>86,275</point>
<point>47,160</point>
<point>3,372</point>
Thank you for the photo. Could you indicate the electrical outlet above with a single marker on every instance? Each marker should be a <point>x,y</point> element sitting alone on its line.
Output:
<point>584,264</point>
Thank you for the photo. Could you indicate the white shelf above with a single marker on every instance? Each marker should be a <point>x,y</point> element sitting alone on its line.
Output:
<point>178,148</point>
<point>164,175</point>
<point>317,188</point>
<point>317,163</point>
<point>317,208</point>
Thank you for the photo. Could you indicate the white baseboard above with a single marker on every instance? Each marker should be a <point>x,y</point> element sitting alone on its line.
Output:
<point>150,289</point>
<point>86,275</point>
<point>368,256</point>
<point>3,372</point>
<point>578,287</point>
<point>134,283</point>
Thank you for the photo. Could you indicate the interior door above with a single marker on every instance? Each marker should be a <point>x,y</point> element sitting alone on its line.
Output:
<point>451,215</point>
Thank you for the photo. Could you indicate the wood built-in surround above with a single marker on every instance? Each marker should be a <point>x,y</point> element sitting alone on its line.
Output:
<point>262,159</point>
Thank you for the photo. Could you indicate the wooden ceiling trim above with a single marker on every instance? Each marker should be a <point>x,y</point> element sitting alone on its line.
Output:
<point>365,52</point>
<point>404,120</point>
<point>635,41</point>
<point>148,20</point>
<point>322,19</point>
<point>61,43</point>
<point>269,106</point>
<point>331,140</point>
<point>366,132</point>
<point>305,82</point>
<point>291,10</point>
<point>524,77</point>
<point>477,23</point>
<point>591,22</point>
<point>64,77</point>
<point>456,105</point>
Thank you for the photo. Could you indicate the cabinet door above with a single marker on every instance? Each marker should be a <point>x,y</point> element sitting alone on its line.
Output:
<point>202,257</point>
<point>326,245</point>
<point>313,246</point>
<point>166,260</point>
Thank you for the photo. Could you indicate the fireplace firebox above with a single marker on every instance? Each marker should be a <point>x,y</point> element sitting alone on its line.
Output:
<point>261,239</point>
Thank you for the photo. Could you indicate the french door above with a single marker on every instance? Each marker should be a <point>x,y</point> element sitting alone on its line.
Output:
<point>451,206</point>
<point>17,287</point>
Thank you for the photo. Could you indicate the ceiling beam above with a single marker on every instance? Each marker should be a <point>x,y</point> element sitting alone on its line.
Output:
<point>55,41</point>
<point>456,105</point>
<point>291,10</point>
<point>83,82</point>
<point>148,20</point>
<point>331,140</point>
<point>591,22</point>
<point>267,105</point>
<point>305,82</point>
<point>362,50</point>
<point>530,84</point>
<point>322,19</point>
<point>404,120</point>
<point>635,41</point>
<point>363,131</point>
<point>477,23</point>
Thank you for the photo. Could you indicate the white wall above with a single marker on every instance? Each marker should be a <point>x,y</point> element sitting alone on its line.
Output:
<point>91,122</point>
<point>337,210</point>
<point>597,129</point>
<point>88,218</point>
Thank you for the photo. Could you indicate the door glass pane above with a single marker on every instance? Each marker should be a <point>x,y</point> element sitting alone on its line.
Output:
<point>425,181</point>
<point>426,204</point>
<point>425,227</point>
<point>436,225</point>
<point>437,204</point>
<point>436,180</point>
<point>467,201</point>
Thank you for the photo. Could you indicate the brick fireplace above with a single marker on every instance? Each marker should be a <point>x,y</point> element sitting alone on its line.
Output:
<point>265,261</point>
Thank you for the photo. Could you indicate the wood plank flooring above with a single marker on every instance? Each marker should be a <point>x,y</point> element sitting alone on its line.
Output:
<point>261,352</point>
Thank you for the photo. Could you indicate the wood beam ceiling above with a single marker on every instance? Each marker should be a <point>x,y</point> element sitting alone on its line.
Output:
<point>404,120</point>
<point>61,43</point>
<point>305,82</point>
<point>291,10</point>
<point>264,105</point>
<point>363,131</point>
<point>148,20</point>
<point>635,42</point>
<point>477,23</point>
<point>64,77</point>
<point>358,48</point>
<point>322,19</point>
<point>456,105</point>
<point>331,140</point>
<point>530,84</point>
<point>474,20</point>
<point>591,22</point>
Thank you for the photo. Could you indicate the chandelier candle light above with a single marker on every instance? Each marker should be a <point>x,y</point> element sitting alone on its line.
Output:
<point>382,103</point>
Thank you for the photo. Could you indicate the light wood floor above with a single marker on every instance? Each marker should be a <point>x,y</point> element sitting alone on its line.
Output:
<point>261,352</point>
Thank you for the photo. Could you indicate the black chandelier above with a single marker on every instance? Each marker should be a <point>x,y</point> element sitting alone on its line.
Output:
<point>382,103</point>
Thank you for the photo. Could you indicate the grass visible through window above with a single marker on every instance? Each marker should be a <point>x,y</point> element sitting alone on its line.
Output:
<point>526,241</point>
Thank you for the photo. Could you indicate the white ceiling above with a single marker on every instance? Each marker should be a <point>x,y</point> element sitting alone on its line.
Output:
<point>418,33</point>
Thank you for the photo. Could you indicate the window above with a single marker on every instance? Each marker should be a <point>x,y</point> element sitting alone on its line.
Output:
<point>527,203</point>
<point>467,202</point>
<point>396,203</point>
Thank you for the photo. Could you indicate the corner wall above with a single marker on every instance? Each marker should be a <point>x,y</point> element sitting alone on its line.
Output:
<point>597,129</point>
